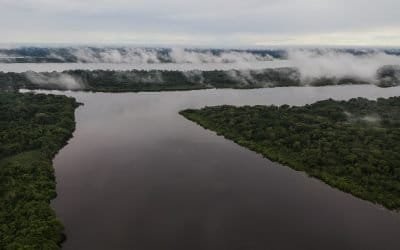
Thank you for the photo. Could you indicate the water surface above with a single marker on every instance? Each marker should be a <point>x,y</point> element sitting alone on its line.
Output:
<point>137,175</point>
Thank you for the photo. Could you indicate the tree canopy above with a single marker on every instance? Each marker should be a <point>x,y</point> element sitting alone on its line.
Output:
<point>351,145</point>
<point>165,80</point>
<point>33,127</point>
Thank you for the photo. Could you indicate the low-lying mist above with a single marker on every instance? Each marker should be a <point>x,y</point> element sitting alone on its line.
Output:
<point>54,79</point>
<point>134,55</point>
<point>338,64</point>
<point>251,68</point>
<point>158,80</point>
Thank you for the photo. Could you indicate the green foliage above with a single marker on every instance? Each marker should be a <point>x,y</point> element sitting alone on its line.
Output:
<point>353,145</point>
<point>163,80</point>
<point>167,80</point>
<point>32,129</point>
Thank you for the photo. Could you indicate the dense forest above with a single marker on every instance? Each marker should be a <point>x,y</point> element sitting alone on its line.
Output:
<point>33,127</point>
<point>351,145</point>
<point>154,80</point>
<point>160,80</point>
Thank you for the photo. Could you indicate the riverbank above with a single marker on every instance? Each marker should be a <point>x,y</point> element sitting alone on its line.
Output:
<point>34,127</point>
<point>352,145</point>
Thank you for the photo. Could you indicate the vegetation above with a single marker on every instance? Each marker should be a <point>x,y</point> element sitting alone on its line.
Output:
<point>97,54</point>
<point>161,80</point>
<point>163,55</point>
<point>32,130</point>
<point>153,80</point>
<point>351,145</point>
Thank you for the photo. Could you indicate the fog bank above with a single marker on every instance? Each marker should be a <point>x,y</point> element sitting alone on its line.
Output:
<point>62,80</point>
<point>331,63</point>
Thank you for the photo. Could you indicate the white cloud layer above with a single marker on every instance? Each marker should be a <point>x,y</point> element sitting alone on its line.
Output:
<point>206,22</point>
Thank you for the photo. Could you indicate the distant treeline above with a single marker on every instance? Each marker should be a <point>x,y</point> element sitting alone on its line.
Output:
<point>129,55</point>
<point>351,145</point>
<point>153,55</point>
<point>159,80</point>
<point>33,127</point>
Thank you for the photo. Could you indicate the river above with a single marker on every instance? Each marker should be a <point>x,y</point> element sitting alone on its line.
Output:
<point>137,175</point>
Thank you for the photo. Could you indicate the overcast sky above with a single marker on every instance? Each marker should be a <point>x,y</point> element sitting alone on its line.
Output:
<point>214,23</point>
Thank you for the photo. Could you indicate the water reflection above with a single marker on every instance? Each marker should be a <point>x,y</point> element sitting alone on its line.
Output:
<point>137,175</point>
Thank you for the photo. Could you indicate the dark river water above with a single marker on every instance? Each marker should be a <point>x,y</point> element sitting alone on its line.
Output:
<point>137,175</point>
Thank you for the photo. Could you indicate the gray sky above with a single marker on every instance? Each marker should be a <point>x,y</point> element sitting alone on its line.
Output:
<point>202,23</point>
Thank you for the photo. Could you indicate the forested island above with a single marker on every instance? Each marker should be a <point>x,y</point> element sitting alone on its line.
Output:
<point>33,128</point>
<point>163,80</point>
<point>351,145</point>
